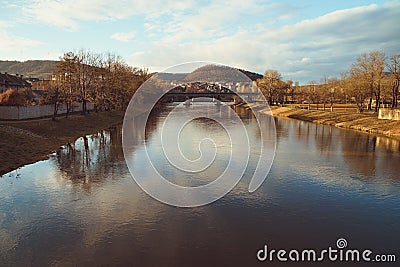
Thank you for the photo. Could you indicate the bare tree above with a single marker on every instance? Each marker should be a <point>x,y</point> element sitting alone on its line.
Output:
<point>272,86</point>
<point>394,68</point>
<point>333,90</point>
<point>106,81</point>
<point>358,88</point>
<point>312,93</point>
<point>66,74</point>
<point>54,94</point>
<point>324,90</point>
<point>370,67</point>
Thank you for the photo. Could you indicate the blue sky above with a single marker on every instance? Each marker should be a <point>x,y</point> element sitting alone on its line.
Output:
<point>304,40</point>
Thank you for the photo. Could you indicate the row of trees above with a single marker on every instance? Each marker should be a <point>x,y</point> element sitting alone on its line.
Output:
<point>372,80</point>
<point>104,80</point>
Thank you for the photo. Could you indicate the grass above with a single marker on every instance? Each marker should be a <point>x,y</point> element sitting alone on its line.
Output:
<point>364,122</point>
<point>24,142</point>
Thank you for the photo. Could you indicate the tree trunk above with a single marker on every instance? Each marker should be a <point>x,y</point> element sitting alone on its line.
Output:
<point>394,96</point>
<point>84,106</point>
<point>55,111</point>
<point>68,109</point>
<point>378,102</point>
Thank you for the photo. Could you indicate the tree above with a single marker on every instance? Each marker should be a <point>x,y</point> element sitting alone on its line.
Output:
<point>312,93</point>
<point>54,94</point>
<point>358,88</point>
<point>106,81</point>
<point>66,73</point>
<point>342,87</point>
<point>370,67</point>
<point>290,91</point>
<point>394,69</point>
<point>272,86</point>
<point>324,90</point>
<point>333,90</point>
<point>13,97</point>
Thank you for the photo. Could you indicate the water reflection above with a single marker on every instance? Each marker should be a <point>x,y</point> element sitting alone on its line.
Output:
<point>344,156</point>
<point>90,158</point>
<point>81,207</point>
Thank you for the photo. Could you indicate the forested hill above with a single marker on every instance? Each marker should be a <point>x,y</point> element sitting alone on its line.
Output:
<point>30,68</point>
<point>252,75</point>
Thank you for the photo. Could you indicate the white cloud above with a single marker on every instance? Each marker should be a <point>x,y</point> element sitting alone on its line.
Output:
<point>12,44</point>
<point>237,32</point>
<point>306,50</point>
<point>216,20</point>
<point>123,36</point>
<point>68,14</point>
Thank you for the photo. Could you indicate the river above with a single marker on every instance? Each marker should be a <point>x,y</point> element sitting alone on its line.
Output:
<point>82,207</point>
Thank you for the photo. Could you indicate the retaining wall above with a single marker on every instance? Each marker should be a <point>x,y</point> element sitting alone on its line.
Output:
<point>389,114</point>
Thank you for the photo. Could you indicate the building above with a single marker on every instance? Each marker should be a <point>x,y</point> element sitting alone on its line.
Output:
<point>15,82</point>
<point>44,85</point>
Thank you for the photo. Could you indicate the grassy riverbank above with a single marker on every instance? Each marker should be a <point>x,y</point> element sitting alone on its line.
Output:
<point>368,123</point>
<point>25,142</point>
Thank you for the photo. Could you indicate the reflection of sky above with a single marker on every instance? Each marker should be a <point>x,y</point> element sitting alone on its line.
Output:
<point>339,158</point>
<point>324,183</point>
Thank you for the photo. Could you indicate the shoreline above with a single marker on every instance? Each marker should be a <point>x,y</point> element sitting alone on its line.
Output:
<point>26,142</point>
<point>365,123</point>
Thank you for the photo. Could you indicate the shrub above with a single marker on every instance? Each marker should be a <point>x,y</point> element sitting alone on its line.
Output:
<point>15,98</point>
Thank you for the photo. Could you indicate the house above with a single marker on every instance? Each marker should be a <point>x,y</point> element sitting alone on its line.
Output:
<point>16,82</point>
<point>44,85</point>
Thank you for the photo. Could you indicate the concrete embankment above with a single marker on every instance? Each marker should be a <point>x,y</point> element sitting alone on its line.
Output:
<point>367,123</point>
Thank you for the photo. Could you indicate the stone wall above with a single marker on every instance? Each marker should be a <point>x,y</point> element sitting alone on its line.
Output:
<point>39,111</point>
<point>389,114</point>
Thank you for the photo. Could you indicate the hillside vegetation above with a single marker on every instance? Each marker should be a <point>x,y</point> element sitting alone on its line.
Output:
<point>31,68</point>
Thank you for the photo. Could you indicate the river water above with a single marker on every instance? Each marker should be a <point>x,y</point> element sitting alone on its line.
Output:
<point>82,207</point>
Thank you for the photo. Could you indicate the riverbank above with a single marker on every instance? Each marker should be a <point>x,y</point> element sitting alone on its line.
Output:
<point>367,123</point>
<point>25,142</point>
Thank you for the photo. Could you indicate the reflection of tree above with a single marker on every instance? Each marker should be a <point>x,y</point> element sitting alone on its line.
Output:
<point>91,158</point>
<point>324,140</point>
<point>359,152</point>
<point>281,127</point>
<point>366,155</point>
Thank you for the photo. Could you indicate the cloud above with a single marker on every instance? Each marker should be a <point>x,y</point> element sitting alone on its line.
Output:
<point>219,19</point>
<point>123,36</point>
<point>255,34</point>
<point>303,51</point>
<point>68,14</point>
<point>11,44</point>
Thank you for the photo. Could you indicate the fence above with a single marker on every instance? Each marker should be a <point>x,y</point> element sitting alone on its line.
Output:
<point>39,111</point>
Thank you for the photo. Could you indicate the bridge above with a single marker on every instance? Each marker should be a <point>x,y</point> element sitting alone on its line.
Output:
<point>224,97</point>
<point>195,90</point>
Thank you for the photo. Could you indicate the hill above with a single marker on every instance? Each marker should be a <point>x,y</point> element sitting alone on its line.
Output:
<point>220,73</point>
<point>210,73</point>
<point>31,68</point>
<point>252,75</point>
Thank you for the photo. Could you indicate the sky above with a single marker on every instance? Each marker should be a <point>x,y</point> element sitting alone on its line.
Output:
<point>302,39</point>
